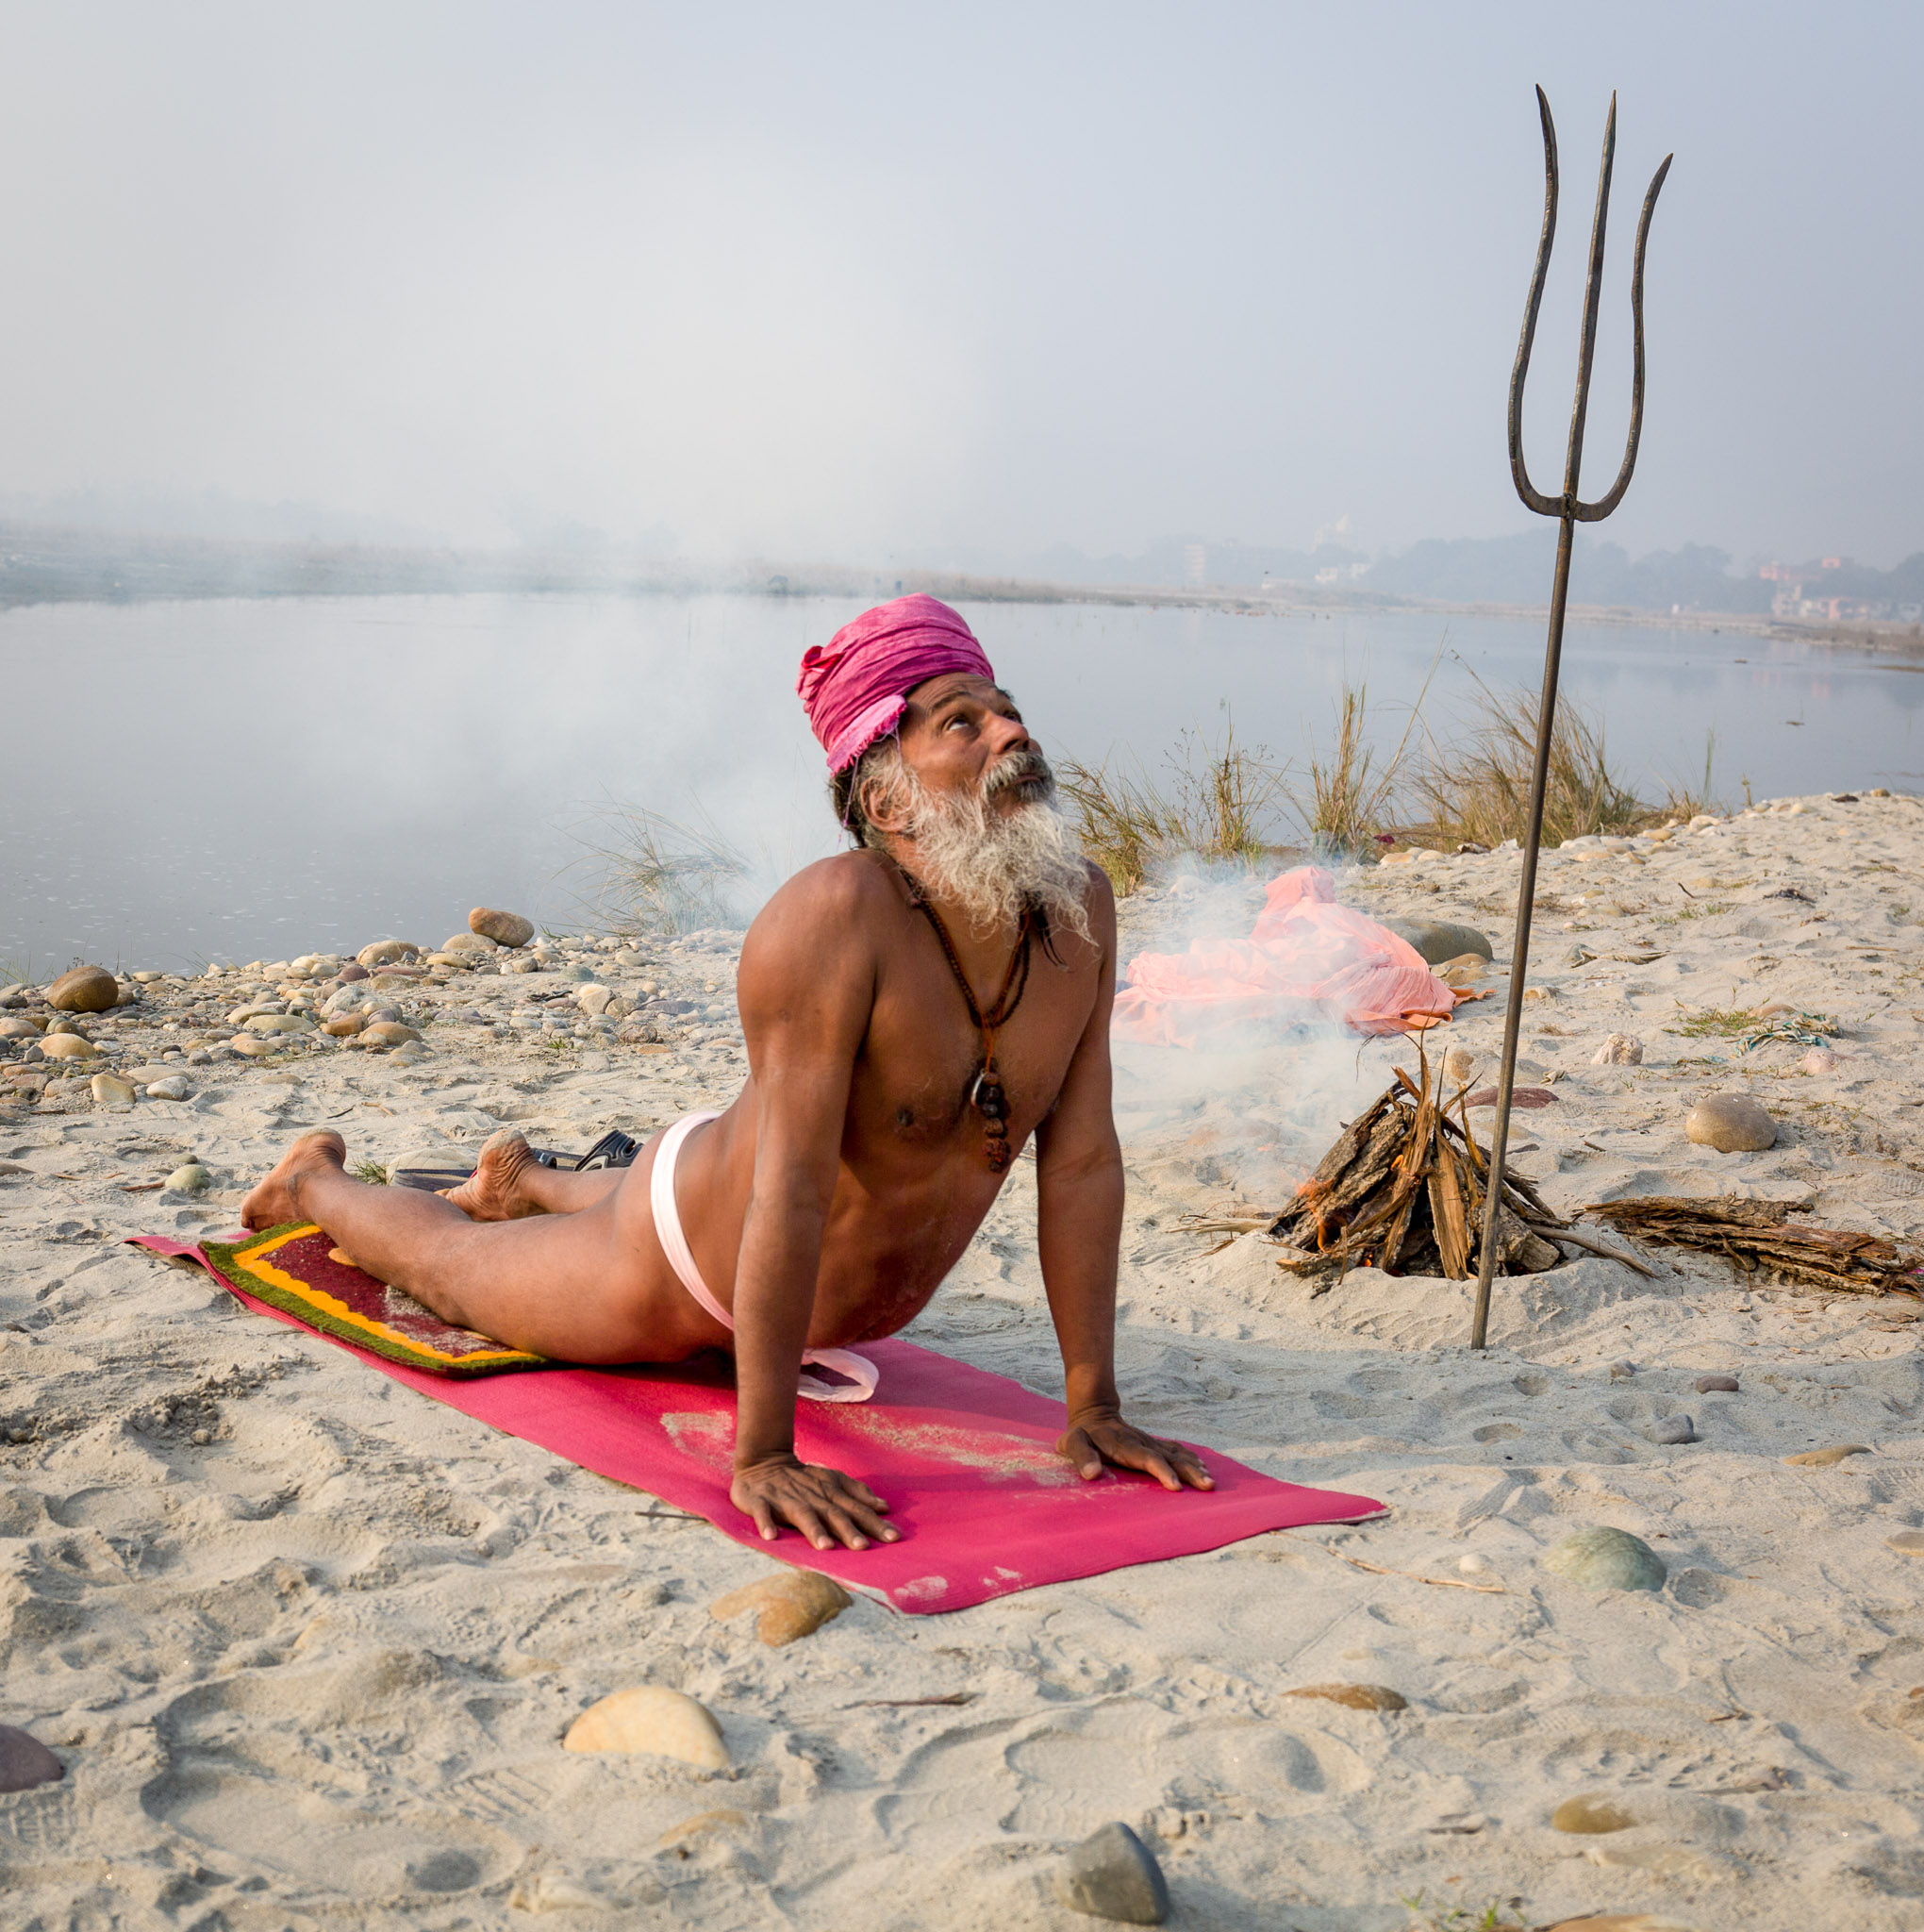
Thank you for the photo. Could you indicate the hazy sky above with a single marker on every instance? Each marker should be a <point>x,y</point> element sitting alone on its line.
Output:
<point>872,282</point>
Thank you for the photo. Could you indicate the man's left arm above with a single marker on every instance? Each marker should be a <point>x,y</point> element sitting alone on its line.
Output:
<point>1079,1213</point>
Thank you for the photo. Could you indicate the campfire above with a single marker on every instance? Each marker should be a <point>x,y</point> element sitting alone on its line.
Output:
<point>1403,1189</point>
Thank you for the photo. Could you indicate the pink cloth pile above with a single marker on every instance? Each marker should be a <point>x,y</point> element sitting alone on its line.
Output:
<point>1309,961</point>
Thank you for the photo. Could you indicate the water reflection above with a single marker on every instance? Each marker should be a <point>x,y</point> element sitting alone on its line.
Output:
<point>184,781</point>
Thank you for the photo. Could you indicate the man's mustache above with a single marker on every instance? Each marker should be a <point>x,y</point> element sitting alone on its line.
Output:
<point>1018,768</point>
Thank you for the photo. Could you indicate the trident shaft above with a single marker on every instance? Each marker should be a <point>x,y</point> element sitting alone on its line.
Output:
<point>1570,511</point>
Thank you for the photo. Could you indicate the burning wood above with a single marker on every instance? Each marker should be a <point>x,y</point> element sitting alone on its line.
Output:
<point>1402,1190</point>
<point>1751,1235</point>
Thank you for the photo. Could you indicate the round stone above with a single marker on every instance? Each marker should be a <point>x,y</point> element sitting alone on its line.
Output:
<point>1716,1385</point>
<point>25,1761</point>
<point>1591,1815</point>
<point>1671,1429</point>
<point>67,1046</point>
<point>84,989</point>
<point>503,928</point>
<point>650,1719</point>
<point>109,1089</point>
<point>192,1179</point>
<point>1619,1050</point>
<point>1606,1559</point>
<point>1113,1875</point>
<point>252,1046</point>
<point>1907,1542</point>
<point>17,1027</point>
<point>344,1025</point>
<point>170,1087</point>
<point>1731,1123</point>
<point>1436,939</point>
<point>1820,1059</point>
<point>387,953</point>
<point>386,1033</point>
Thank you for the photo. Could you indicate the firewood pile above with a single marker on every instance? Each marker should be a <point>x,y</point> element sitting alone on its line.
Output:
<point>1752,1236</point>
<point>1404,1189</point>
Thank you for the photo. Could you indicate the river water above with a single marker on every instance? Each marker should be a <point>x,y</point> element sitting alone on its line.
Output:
<point>183,782</point>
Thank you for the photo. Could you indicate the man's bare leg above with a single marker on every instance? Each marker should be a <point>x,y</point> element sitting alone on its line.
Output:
<point>566,1286</point>
<point>508,1183</point>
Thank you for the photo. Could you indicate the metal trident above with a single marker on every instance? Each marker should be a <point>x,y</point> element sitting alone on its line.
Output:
<point>1570,511</point>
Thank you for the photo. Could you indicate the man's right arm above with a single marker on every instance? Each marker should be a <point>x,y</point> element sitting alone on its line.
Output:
<point>806,987</point>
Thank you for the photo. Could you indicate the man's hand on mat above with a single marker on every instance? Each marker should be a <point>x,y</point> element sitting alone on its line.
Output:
<point>1095,1439</point>
<point>826,1506</point>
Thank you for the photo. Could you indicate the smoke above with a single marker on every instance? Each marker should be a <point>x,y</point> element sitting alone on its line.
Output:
<point>1246,1116</point>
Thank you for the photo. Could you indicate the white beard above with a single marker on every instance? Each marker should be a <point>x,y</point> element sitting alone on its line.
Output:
<point>992,863</point>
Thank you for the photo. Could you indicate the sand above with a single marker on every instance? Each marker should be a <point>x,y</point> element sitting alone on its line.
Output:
<point>308,1644</point>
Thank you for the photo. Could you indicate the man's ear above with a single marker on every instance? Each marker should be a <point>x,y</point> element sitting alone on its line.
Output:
<point>885,803</point>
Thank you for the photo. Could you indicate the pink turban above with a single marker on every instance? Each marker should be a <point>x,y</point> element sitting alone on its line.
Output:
<point>856,687</point>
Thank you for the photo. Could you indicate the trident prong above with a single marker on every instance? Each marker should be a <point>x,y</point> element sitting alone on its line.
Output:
<point>1570,511</point>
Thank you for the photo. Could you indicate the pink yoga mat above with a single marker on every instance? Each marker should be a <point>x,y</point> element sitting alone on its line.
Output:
<point>965,1459</point>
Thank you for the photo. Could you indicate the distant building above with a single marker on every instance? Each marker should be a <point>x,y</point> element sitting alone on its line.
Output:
<point>1195,565</point>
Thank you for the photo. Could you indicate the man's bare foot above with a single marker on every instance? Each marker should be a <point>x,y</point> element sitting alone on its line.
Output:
<point>276,1201</point>
<point>493,1192</point>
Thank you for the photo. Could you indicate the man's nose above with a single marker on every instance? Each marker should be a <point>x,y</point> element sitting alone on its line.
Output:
<point>1007,735</point>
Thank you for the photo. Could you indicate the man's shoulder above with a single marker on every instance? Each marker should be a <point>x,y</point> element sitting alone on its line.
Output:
<point>833,898</point>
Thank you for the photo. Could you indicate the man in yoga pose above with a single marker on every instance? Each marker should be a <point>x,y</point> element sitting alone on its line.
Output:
<point>915,1010</point>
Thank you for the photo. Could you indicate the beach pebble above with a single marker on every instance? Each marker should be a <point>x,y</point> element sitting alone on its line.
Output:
<point>17,1027</point>
<point>352,972</point>
<point>1591,1815</point>
<point>475,942</point>
<point>192,1179</point>
<point>1820,1059</point>
<point>1671,1429</point>
<point>1354,1696</point>
<point>1619,1050</point>
<point>1459,1063</point>
<point>109,1089</point>
<point>792,1603</point>
<point>67,1046</point>
<point>1716,1385</point>
<point>269,1024</point>
<point>594,999</point>
<point>1824,1459</point>
<point>503,928</point>
<point>1731,1123</point>
<point>252,1046</point>
<point>170,1087</point>
<point>1622,1371</point>
<point>1113,1875</point>
<point>343,1025</point>
<point>84,989</point>
<point>1907,1542</point>
<point>387,953</point>
<point>1606,1559</point>
<point>25,1761</point>
<point>1473,1565</point>
<point>653,1719</point>
<point>384,1032</point>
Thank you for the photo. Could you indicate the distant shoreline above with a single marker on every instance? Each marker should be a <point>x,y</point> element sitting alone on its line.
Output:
<point>54,566</point>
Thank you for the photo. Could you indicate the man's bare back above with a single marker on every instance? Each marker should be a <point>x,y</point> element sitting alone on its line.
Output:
<point>825,1207</point>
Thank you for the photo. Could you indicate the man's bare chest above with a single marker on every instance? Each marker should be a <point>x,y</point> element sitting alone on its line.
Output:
<point>918,1077</point>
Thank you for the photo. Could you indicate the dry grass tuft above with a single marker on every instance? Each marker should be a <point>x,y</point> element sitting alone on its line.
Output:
<point>1476,791</point>
<point>1220,801</point>
<point>644,872</point>
<point>1351,796</point>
